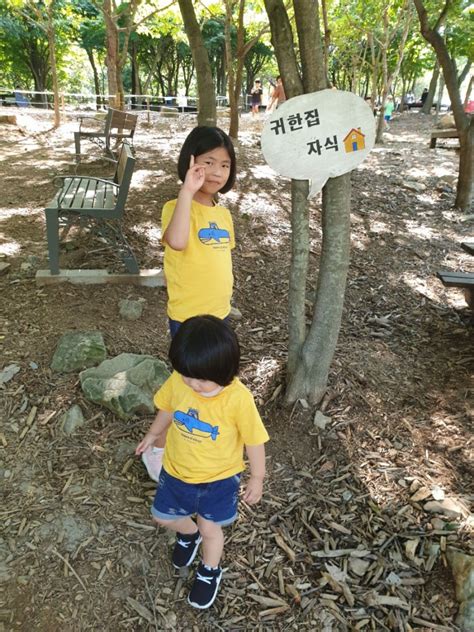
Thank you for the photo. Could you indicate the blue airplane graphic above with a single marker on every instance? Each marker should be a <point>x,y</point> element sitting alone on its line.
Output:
<point>191,421</point>
<point>213,233</point>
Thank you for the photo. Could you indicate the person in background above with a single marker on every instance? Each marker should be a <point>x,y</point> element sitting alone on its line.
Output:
<point>256,97</point>
<point>278,95</point>
<point>424,96</point>
<point>388,111</point>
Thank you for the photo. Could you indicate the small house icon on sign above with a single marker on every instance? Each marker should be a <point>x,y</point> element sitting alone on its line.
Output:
<point>354,141</point>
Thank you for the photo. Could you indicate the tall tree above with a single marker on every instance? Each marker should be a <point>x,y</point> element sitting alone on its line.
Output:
<point>24,48</point>
<point>91,37</point>
<point>207,114</point>
<point>390,29</point>
<point>310,353</point>
<point>214,41</point>
<point>41,15</point>
<point>235,57</point>
<point>121,20</point>
<point>464,122</point>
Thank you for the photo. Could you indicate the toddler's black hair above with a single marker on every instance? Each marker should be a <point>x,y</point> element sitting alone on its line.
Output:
<point>201,140</point>
<point>206,348</point>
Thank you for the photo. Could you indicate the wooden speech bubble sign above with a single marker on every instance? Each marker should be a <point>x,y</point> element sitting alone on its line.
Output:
<point>318,136</point>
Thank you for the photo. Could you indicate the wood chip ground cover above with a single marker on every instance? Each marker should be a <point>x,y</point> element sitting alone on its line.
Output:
<point>341,540</point>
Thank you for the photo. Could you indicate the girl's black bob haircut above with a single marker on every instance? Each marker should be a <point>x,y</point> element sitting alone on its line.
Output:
<point>206,348</point>
<point>201,140</point>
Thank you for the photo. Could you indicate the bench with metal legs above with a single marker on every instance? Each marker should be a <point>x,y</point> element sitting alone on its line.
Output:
<point>97,203</point>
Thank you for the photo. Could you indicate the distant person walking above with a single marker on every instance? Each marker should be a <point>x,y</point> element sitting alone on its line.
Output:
<point>424,96</point>
<point>256,97</point>
<point>278,96</point>
<point>388,111</point>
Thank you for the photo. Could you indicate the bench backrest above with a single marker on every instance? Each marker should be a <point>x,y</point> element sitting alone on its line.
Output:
<point>123,175</point>
<point>118,122</point>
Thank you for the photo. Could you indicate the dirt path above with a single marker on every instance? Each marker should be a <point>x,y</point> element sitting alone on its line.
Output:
<point>339,542</point>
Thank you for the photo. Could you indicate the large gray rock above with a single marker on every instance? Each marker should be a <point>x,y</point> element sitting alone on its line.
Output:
<point>465,618</point>
<point>125,384</point>
<point>131,310</point>
<point>462,567</point>
<point>78,350</point>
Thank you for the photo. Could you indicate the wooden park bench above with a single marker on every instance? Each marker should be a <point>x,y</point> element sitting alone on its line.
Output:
<point>118,126</point>
<point>95,202</point>
<point>442,133</point>
<point>464,280</point>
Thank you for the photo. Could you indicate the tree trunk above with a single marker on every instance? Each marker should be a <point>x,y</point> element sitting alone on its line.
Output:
<point>468,91</point>
<point>206,93</point>
<point>282,40</point>
<point>135,74</point>
<point>404,93</point>
<point>375,70</point>
<point>464,72</point>
<point>462,120</point>
<point>233,97</point>
<point>298,273</point>
<point>466,161</point>
<point>428,104</point>
<point>388,79</point>
<point>439,96</point>
<point>111,41</point>
<point>98,99</point>
<point>310,379</point>
<point>327,37</point>
<point>54,73</point>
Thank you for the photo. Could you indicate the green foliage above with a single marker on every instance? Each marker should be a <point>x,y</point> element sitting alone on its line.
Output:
<point>24,47</point>
<point>164,57</point>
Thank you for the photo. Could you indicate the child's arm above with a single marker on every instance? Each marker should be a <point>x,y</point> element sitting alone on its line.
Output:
<point>176,234</point>
<point>159,426</point>
<point>256,457</point>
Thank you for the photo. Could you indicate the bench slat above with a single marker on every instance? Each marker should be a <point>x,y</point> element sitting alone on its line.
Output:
<point>456,279</point>
<point>445,133</point>
<point>468,246</point>
<point>70,192</point>
<point>85,195</point>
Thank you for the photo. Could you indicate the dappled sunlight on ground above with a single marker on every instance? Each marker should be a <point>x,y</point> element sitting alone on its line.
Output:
<point>264,172</point>
<point>421,286</point>
<point>421,230</point>
<point>379,227</point>
<point>9,247</point>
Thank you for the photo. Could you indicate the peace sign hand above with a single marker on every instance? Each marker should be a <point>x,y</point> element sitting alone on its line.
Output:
<point>195,177</point>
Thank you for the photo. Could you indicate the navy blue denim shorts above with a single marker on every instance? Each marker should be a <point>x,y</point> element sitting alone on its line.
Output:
<point>216,501</point>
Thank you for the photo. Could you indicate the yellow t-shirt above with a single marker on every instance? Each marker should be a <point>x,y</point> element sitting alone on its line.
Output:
<point>199,278</point>
<point>206,439</point>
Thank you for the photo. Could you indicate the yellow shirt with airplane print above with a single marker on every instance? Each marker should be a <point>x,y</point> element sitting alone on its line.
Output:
<point>199,278</point>
<point>206,439</point>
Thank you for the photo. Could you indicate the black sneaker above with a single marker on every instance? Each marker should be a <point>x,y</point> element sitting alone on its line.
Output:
<point>205,587</point>
<point>185,549</point>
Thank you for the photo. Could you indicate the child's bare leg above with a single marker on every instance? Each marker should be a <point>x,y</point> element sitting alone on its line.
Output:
<point>212,541</point>
<point>187,526</point>
<point>188,540</point>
